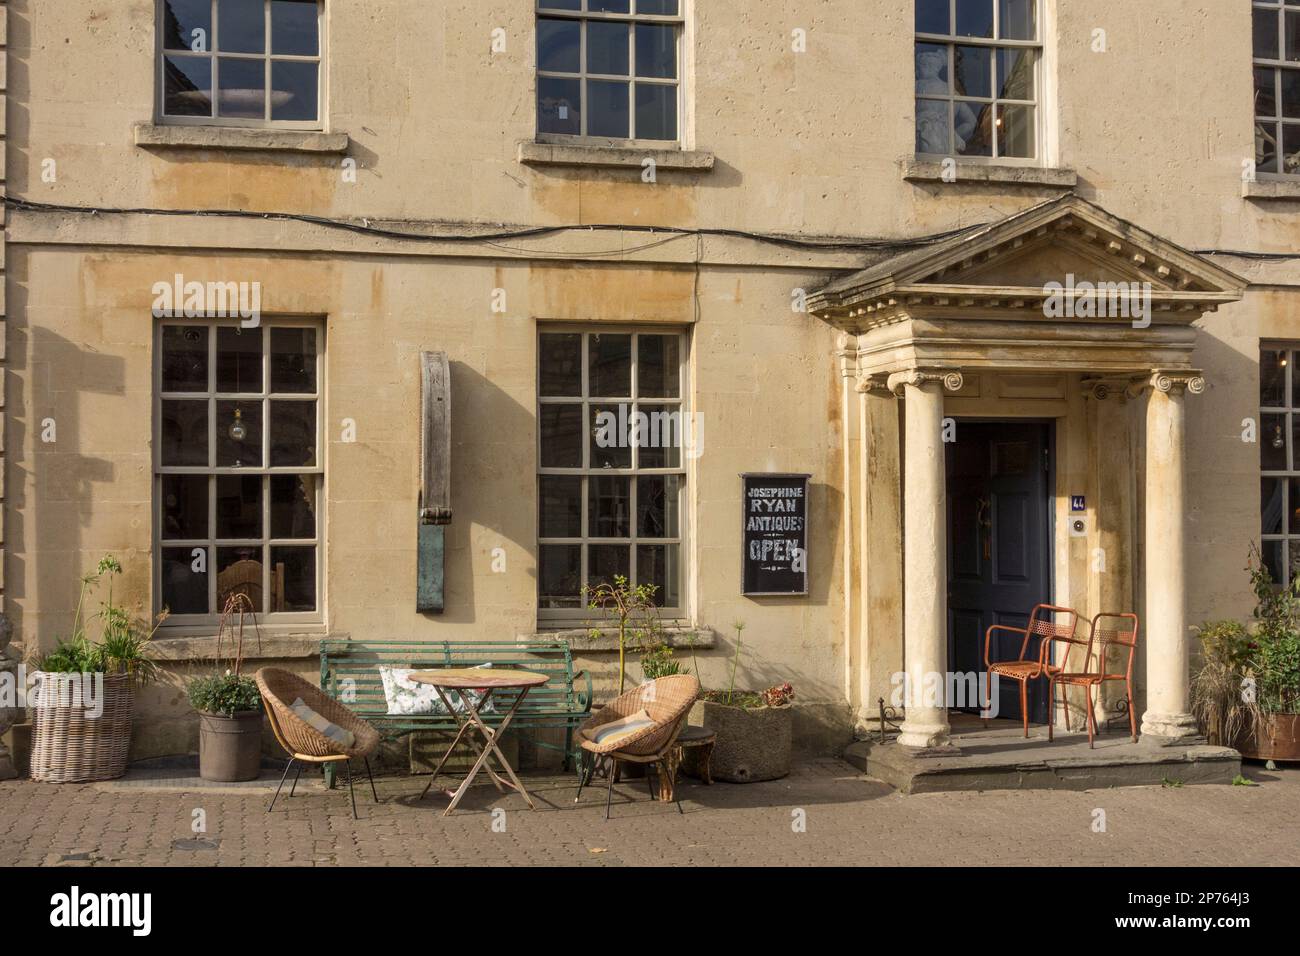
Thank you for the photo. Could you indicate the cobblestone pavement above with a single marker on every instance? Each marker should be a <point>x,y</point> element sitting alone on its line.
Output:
<point>850,820</point>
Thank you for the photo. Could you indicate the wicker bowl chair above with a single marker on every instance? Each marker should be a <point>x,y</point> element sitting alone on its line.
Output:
<point>667,701</point>
<point>303,742</point>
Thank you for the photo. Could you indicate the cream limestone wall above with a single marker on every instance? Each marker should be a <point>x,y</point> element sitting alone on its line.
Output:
<point>807,143</point>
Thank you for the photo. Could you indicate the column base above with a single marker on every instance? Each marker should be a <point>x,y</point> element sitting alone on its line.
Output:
<point>1171,730</point>
<point>925,735</point>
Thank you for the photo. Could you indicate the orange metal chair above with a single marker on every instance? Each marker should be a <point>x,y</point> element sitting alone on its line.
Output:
<point>1047,622</point>
<point>1109,631</point>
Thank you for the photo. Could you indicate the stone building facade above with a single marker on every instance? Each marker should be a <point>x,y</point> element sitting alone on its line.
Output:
<point>827,231</point>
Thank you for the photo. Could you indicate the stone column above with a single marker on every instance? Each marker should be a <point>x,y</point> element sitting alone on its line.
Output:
<point>1168,715</point>
<point>925,544</point>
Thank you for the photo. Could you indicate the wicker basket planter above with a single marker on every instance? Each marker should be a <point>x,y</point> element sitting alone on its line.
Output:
<point>70,746</point>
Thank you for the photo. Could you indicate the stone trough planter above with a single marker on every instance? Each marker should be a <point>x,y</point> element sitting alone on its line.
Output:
<point>753,744</point>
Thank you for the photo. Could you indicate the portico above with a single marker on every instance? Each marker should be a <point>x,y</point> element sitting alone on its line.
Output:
<point>973,328</point>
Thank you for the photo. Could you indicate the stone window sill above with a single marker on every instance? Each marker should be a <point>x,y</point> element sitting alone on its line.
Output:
<point>274,645</point>
<point>932,171</point>
<point>615,157</point>
<point>162,136</point>
<point>606,639</point>
<point>1281,189</point>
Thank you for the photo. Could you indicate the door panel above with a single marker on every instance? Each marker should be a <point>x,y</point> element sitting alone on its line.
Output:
<point>998,547</point>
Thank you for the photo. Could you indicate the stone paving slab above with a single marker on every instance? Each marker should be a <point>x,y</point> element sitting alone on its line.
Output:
<point>824,813</point>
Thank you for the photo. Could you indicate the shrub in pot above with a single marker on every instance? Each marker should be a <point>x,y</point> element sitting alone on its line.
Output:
<point>84,689</point>
<point>230,726</point>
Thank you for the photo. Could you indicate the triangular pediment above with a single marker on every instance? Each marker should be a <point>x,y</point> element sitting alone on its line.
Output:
<point>1012,262</point>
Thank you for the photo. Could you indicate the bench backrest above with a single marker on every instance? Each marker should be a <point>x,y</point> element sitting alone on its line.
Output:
<point>355,665</point>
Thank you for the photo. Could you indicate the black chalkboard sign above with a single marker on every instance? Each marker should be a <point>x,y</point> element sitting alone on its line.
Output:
<point>774,534</point>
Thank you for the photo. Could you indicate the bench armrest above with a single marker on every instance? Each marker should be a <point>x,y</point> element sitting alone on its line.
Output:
<point>584,699</point>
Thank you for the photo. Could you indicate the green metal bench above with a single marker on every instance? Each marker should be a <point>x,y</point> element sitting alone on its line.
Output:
<point>349,672</point>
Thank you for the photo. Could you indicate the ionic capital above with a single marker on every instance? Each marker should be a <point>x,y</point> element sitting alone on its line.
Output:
<point>949,379</point>
<point>873,382</point>
<point>1171,381</point>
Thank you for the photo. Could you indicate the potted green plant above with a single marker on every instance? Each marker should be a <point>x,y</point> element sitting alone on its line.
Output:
<point>229,705</point>
<point>84,689</point>
<point>754,729</point>
<point>632,610</point>
<point>1246,691</point>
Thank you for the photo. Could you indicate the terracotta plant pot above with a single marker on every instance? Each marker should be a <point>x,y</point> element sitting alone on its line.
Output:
<point>230,748</point>
<point>753,743</point>
<point>1279,741</point>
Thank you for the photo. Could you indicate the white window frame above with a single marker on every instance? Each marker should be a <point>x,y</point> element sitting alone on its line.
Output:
<point>1278,122</point>
<point>214,54</point>
<point>584,16</point>
<point>952,41</point>
<point>683,469</point>
<point>1289,411</point>
<point>211,543</point>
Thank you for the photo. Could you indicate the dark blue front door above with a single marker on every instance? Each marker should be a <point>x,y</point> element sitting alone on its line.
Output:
<point>998,547</point>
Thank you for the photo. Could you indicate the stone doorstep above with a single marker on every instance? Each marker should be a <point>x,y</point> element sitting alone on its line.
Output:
<point>1072,766</point>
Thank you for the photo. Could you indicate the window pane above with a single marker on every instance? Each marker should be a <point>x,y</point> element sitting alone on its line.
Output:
<point>239,506</point>
<point>184,507</point>
<point>656,111</point>
<point>974,128</point>
<point>609,509</point>
<point>932,16</point>
<point>1291,93</point>
<point>932,126</point>
<point>975,18</point>
<point>1270,504</point>
<point>559,370</point>
<point>606,561</point>
<point>559,45</point>
<point>239,434</point>
<point>610,372</point>
<point>184,590</point>
<point>293,579</point>
<point>657,565</point>
<point>608,111</point>
<point>974,70</point>
<point>243,88</point>
<point>1016,74</point>
<point>559,575</point>
<point>609,6</point>
<point>661,442</point>
<point>1291,149</point>
<point>181,18</point>
<point>559,105</point>
<point>607,48</point>
<point>1017,19</point>
<point>1272,378</point>
<point>1266,37</point>
<point>1265,93</point>
<point>1016,131</point>
<point>239,571</point>
<point>293,27</point>
<point>1272,443</point>
<point>656,506</point>
<point>1273,559</point>
<point>559,504</point>
<point>239,359</point>
<point>561,4</point>
<point>611,436</point>
<point>184,429</point>
<point>657,8</point>
<point>241,26</point>
<point>293,506</point>
<point>187,85</point>
<point>656,50</point>
<point>184,358</point>
<point>1266,147</point>
<point>658,370</point>
<point>561,436</point>
<point>293,360</point>
<point>293,434</point>
<point>1292,36</point>
<point>932,69</point>
<point>1293,520</point>
<point>293,90</point>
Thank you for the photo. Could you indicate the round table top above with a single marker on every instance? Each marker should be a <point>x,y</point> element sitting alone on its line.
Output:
<point>472,678</point>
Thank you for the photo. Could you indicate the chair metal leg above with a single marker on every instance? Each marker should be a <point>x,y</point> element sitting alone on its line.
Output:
<point>347,765</point>
<point>586,768</point>
<point>1024,705</point>
<point>609,794</point>
<point>294,786</point>
<point>1132,717</point>
<point>648,785</point>
<point>283,777</point>
<point>373,791</point>
<point>1092,721</point>
<point>1051,710</point>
